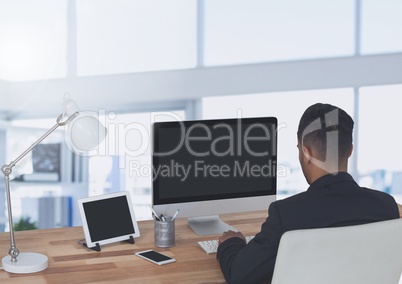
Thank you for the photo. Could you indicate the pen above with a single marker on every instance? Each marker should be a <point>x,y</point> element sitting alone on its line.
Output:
<point>153,211</point>
<point>175,214</point>
<point>163,218</point>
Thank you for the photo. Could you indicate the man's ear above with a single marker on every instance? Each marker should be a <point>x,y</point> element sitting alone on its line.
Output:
<point>351,150</point>
<point>308,154</point>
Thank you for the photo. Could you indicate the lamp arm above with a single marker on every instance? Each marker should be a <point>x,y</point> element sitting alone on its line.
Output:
<point>16,160</point>
<point>7,169</point>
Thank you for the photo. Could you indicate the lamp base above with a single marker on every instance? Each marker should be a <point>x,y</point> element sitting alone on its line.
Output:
<point>27,262</point>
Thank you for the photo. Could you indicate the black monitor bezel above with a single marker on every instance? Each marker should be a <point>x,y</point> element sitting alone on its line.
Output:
<point>155,160</point>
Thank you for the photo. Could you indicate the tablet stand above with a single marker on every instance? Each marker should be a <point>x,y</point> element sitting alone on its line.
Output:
<point>98,248</point>
<point>130,240</point>
<point>95,248</point>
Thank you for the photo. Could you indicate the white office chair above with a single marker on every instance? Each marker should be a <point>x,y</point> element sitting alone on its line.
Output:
<point>361,254</point>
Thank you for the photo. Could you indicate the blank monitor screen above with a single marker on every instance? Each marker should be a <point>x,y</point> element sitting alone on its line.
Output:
<point>214,159</point>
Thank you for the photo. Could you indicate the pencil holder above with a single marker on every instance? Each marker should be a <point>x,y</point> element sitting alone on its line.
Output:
<point>164,232</point>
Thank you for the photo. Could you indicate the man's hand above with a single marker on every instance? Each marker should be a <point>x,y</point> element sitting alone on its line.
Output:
<point>231,234</point>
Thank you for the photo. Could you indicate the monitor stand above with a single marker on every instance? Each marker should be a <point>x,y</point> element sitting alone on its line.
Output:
<point>209,225</point>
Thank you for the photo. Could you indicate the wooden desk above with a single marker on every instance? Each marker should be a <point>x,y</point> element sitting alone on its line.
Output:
<point>69,262</point>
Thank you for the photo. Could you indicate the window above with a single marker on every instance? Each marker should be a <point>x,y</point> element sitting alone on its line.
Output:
<point>239,32</point>
<point>288,107</point>
<point>26,195</point>
<point>381,26</point>
<point>33,39</point>
<point>130,36</point>
<point>380,138</point>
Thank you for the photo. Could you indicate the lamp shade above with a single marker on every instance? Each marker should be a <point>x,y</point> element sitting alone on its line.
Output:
<point>84,133</point>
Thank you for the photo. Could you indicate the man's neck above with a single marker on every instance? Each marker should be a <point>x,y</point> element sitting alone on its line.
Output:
<point>317,172</point>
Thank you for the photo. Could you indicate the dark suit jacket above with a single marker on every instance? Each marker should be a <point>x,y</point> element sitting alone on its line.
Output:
<point>331,201</point>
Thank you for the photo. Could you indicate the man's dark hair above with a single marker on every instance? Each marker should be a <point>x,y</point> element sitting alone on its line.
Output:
<point>330,118</point>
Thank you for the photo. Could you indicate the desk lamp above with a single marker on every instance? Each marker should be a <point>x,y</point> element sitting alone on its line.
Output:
<point>84,133</point>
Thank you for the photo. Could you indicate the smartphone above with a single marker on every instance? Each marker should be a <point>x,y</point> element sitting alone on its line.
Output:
<point>155,257</point>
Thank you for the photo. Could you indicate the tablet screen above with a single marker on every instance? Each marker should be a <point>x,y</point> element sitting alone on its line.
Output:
<point>108,218</point>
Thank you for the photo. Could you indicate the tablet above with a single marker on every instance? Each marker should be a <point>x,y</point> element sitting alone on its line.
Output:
<point>108,218</point>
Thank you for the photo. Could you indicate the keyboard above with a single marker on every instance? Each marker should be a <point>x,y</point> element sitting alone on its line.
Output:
<point>211,246</point>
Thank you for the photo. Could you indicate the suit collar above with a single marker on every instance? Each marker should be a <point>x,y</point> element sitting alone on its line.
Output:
<point>331,179</point>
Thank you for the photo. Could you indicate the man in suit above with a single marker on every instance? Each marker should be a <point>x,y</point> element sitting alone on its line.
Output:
<point>333,198</point>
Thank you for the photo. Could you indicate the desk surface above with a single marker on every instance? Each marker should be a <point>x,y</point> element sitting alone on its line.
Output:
<point>69,262</point>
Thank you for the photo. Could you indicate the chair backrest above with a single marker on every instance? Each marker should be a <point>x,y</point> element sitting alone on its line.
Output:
<point>369,254</point>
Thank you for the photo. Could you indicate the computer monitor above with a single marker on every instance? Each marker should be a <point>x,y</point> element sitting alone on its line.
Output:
<point>209,167</point>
